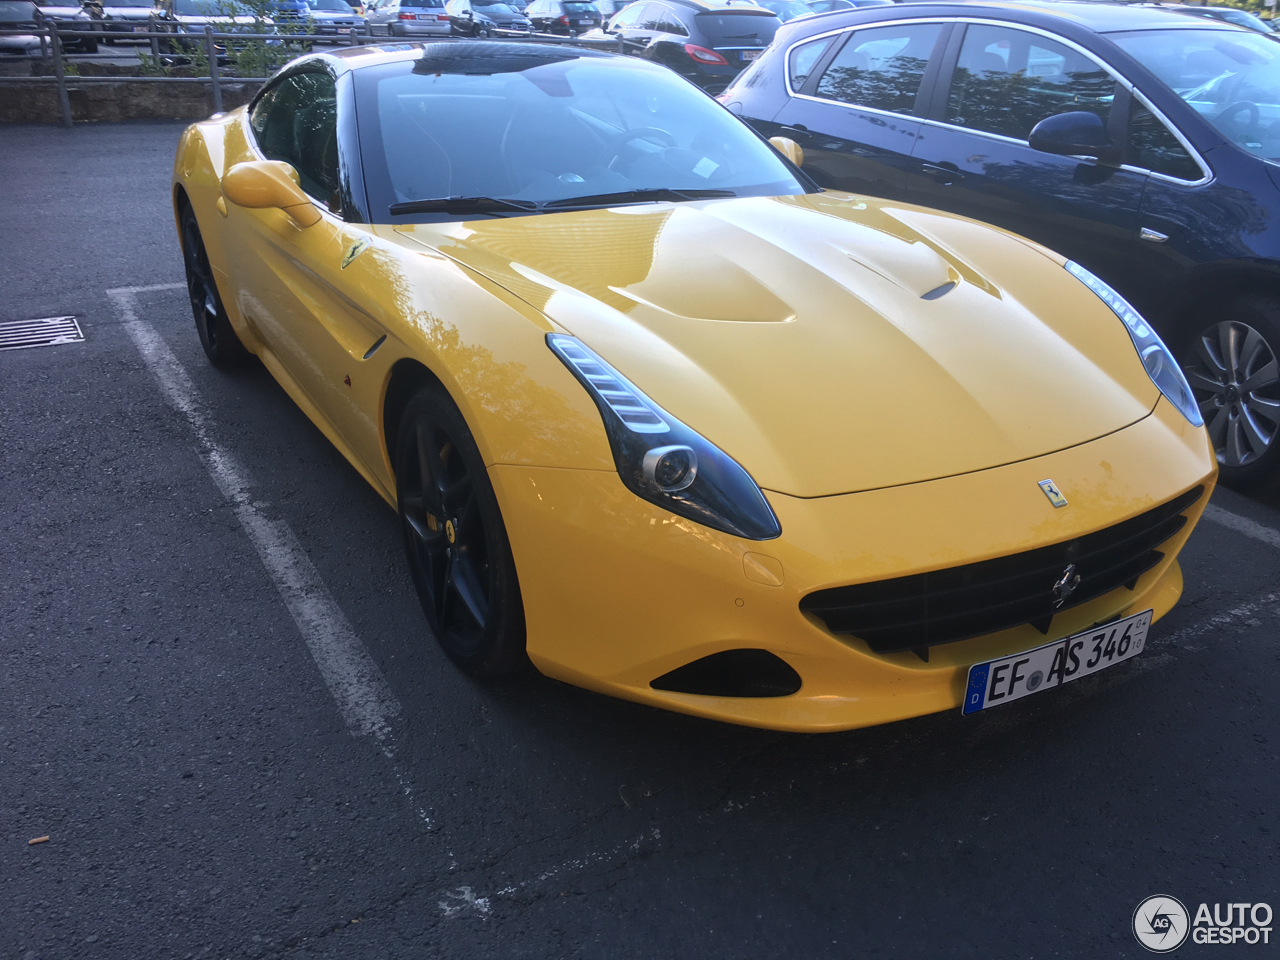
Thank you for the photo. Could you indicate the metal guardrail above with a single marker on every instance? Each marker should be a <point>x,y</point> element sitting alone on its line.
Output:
<point>52,47</point>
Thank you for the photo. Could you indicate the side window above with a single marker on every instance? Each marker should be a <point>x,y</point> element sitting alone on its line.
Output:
<point>1006,81</point>
<point>630,16</point>
<point>669,22</point>
<point>296,121</point>
<point>1152,145</point>
<point>881,67</point>
<point>804,58</point>
<point>652,17</point>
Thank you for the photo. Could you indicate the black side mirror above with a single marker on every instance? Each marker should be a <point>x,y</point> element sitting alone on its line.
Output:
<point>1075,134</point>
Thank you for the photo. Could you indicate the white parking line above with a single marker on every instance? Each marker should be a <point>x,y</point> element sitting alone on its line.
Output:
<point>364,699</point>
<point>1250,528</point>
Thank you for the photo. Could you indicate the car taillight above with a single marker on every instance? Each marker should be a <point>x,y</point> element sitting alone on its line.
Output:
<point>565,20</point>
<point>442,16</point>
<point>703,55</point>
<point>408,16</point>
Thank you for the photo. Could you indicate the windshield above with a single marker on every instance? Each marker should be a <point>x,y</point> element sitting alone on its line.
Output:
<point>494,8</point>
<point>1241,17</point>
<point>787,9</point>
<point>1231,78</point>
<point>737,25</point>
<point>15,12</point>
<point>574,6</point>
<point>334,6</point>
<point>550,126</point>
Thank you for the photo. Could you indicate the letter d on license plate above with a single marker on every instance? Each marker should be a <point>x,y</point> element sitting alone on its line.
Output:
<point>1012,678</point>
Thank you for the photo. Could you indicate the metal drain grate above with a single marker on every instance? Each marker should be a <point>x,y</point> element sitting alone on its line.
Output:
<point>44,332</point>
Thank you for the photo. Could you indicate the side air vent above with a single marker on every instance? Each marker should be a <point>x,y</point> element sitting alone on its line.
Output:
<point>602,380</point>
<point>733,673</point>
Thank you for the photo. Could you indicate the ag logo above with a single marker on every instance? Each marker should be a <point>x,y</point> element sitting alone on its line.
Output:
<point>1161,924</point>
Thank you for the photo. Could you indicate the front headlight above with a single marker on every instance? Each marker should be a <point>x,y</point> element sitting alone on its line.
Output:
<point>663,461</point>
<point>1161,367</point>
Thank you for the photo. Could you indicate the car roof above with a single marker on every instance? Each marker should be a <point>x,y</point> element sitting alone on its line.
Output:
<point>704,6</point>
<point>451,57</point>
<point>1095,15</point>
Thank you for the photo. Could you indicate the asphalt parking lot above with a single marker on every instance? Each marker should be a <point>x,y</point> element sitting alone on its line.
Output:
<point>221,704</point>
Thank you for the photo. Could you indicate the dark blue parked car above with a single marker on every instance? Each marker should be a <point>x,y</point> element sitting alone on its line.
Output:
<point>293,12</point>
<point>1142,143</point>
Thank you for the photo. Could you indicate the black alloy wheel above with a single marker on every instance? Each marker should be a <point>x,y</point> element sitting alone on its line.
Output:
<point>221,345</point>
<point>456,543</point>
<point>1232,368</point>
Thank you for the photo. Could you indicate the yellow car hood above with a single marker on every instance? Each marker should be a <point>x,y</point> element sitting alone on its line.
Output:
<point>829,343</point>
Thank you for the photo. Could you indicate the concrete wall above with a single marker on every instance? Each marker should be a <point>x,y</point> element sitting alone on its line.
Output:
<point>36,101</point>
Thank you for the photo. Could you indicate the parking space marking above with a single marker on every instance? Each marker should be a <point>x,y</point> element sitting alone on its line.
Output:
<point>364,699</point>
<point>1250,528</point>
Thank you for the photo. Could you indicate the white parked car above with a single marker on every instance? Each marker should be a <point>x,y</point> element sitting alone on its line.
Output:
<point>407,18</point>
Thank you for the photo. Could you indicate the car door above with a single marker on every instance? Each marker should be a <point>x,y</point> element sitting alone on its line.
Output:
<point>854,104</point>
<point>379,18</point>
<point>1186,217</point>
<point>461,18</point>
<point>299,286</point>
<point>976,161</point>
<point>629,26</point>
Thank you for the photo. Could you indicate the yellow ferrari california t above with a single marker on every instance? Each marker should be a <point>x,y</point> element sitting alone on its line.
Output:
<point>669,422</point>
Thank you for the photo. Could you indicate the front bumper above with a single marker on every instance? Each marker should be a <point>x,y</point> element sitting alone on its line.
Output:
<point>619,592</point>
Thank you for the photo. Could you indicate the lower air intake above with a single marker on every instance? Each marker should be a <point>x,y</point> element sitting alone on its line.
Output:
<point>733,673</point>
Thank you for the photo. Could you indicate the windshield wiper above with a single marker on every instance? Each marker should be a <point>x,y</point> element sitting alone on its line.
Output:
<point>637,196</point>
<point>462,205</point>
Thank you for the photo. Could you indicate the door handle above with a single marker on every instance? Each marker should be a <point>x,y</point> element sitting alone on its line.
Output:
<point>797,132</point>
<point>944,173</point>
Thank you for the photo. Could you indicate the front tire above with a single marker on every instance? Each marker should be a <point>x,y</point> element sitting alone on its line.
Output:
<point>1231,364</point>
<point>221,345</point>
<point>455,540</point>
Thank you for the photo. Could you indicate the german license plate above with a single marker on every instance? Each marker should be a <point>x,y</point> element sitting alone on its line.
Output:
<point>751,54</point>
<point>1011,678</point>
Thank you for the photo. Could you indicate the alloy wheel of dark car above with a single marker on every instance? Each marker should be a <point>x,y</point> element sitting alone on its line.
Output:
<point>1232,368</point>
<point>221,345</point>
<point>456,543</point>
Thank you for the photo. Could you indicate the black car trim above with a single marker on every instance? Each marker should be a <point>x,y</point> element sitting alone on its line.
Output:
<point>941,80</point>
<point>817,68</point>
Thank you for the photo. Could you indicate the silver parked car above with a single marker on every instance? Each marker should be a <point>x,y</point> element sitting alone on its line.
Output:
<point>18,15</point>
<point>407,18</point>
<point>190,17</point>
<point>76,25</point>
<point>333,20</point>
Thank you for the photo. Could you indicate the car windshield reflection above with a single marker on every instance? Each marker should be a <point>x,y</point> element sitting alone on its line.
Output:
<point>507,132</point>
<point>1231,77</point>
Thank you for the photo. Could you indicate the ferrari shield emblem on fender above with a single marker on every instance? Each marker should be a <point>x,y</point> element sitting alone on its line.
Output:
<point>1053,493</point>
<point>354,251</point>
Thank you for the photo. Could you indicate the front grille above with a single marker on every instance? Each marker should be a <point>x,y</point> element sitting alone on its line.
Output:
<point>944,606</point>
